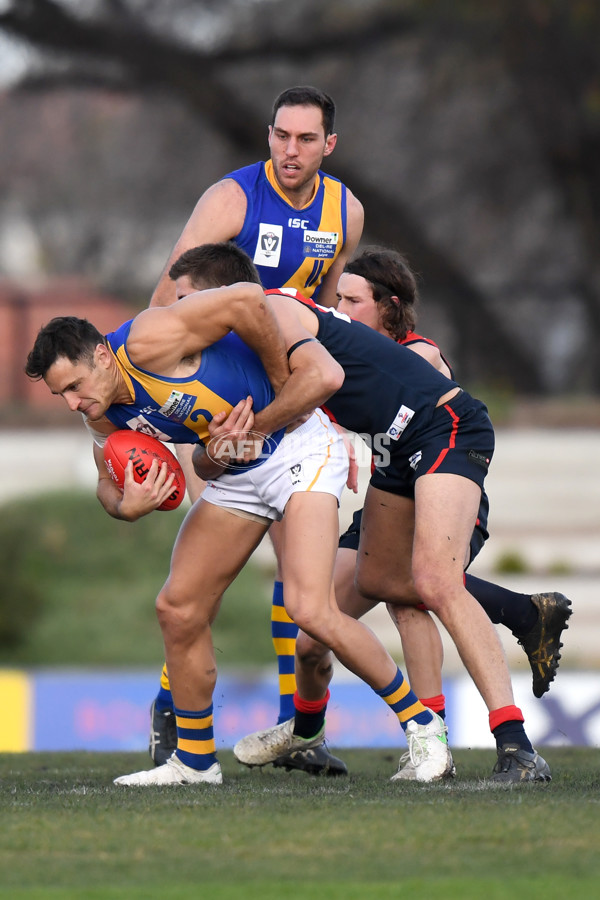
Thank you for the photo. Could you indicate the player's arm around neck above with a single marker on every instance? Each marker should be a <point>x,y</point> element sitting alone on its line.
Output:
<point>315,374</point>
<point>160,338</point>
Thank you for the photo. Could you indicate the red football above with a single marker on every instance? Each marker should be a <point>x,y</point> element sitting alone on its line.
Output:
<point>142,449</point>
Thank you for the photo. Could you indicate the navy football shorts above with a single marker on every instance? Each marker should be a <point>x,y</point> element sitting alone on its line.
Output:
<point>459,440</point>
<point>349,539</point>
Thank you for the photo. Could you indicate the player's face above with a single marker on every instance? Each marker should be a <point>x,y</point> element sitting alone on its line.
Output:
<point>85,387</point>
<point>355,298</point>
<point>298,143</point>
<point>184,286</point>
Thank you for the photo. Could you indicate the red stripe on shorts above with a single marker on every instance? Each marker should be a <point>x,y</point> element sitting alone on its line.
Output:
<point>451,442</point>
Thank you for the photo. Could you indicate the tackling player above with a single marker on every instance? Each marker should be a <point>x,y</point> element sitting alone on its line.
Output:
<point>367,373</point>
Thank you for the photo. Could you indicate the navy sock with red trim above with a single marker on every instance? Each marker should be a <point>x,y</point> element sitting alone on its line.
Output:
<point>310,715</point>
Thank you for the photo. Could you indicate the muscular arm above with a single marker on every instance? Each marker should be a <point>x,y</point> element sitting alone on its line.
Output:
<point>160,338</point>
<point>218,216</point>
<point>354,225</point>
<point>107,491</point>
<point>315,374</point>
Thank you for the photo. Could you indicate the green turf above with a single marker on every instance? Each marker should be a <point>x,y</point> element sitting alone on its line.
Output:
<point>69,833</point>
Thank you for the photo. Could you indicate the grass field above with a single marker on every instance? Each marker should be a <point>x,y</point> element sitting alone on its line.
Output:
<point>68,832</point>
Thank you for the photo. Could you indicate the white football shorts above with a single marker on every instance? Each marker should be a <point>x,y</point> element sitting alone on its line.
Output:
<point>310,458</point>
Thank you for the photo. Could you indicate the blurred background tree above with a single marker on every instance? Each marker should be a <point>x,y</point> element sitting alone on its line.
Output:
<point>471,133</point>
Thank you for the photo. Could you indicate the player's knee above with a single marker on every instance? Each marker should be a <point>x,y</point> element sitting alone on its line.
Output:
<point>313,620</point>
<point>176,614</point>
<point>431,589</point>
<point>312,653</point>
<point>379,587</point>
<point>402,615</point>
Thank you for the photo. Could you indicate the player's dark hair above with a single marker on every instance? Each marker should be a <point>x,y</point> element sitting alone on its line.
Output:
<point>305,95</point>
<point>67,336</point>
<point>215,265</point>
<point>390,276</point>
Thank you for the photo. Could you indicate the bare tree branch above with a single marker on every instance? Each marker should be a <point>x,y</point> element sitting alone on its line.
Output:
<point>122,51</point>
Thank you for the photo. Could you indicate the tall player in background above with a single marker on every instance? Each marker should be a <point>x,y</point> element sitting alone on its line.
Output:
<point>299,226</point>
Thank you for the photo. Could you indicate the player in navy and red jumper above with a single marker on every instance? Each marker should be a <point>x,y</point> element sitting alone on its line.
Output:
<point>378,289</point>
<point>433,428</point>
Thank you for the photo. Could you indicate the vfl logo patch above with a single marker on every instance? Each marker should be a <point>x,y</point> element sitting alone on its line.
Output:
<point>296,473</point>
<point>268,245</point>
<point>403,417</point>
<point>480,459</point>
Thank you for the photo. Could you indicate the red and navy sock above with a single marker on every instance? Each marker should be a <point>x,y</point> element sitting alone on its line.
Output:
<point>506,724</point>
<point>437,704</point>
<point>309,716</point>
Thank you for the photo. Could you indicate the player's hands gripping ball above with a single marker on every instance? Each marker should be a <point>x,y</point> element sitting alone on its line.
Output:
<point>142,449</point>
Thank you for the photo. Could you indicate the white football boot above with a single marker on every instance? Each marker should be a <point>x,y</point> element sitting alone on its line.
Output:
<point>428,757</point>
<point>264,747</point>
<point>173,772</point>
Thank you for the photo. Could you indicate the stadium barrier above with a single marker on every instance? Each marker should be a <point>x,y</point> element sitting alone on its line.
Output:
<point>108,710</point>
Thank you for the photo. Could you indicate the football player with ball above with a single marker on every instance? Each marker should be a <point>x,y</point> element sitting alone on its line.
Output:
<point>171,370</point>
